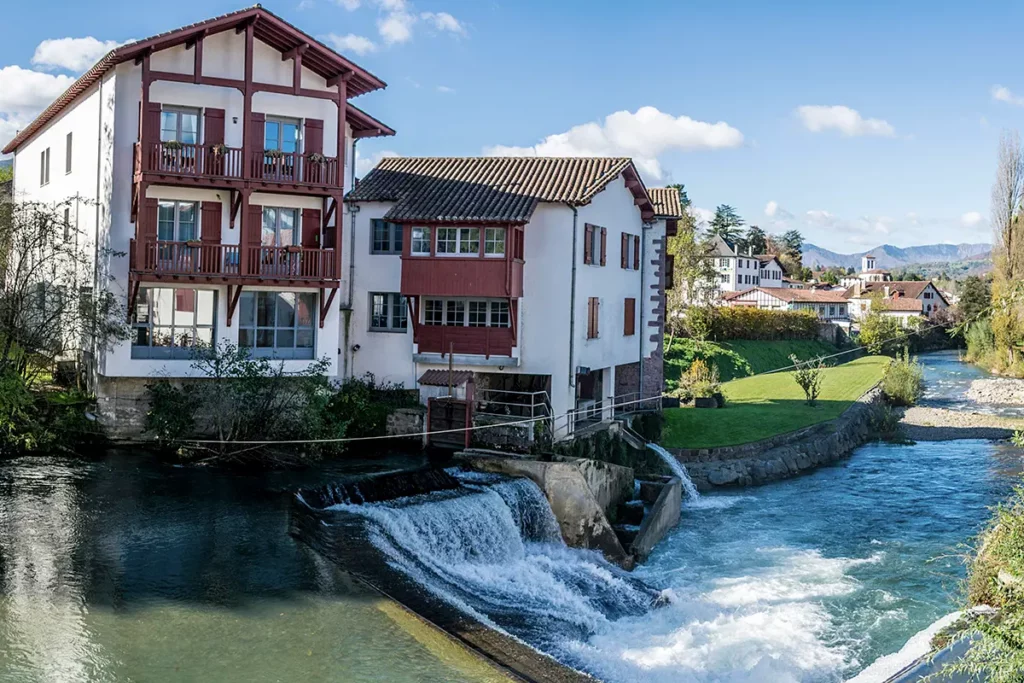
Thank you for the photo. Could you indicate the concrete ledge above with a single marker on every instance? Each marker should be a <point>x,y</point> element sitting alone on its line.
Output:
<point>464,359</point>
<point>661,518</point>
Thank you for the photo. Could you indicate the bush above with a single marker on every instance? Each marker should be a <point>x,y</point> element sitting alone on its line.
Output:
<point>743,322</point>
<point>808,375</point>
<point>886,423</point>
<point>878,331</point>
<point>37,419</point>
<point>365,405</point>
<point>981,342</point>
<point>684,352</point>
<point>700,381</point>
<point>649,425</point>
<point>903,381</point>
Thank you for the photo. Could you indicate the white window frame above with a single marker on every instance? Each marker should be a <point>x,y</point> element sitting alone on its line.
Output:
<point>494,237</point>
<point>178,113</point>
<point>420,236</point>
<point>462,241</point>
<point>67,153</point>
<point>496,312</point>
<point>176,225</point>
<point>392,307</point>
<point>44,167</point>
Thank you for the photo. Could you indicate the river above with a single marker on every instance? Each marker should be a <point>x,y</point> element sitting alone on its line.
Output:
<point>124,569</point>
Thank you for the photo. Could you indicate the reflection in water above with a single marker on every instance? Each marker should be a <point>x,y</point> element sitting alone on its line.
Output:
<point>124,569</point>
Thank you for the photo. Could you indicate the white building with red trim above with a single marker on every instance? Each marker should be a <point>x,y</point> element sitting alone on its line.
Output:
<point>829,306</point>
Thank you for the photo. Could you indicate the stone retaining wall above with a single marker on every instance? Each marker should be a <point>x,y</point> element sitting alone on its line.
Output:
<point>784,455</point>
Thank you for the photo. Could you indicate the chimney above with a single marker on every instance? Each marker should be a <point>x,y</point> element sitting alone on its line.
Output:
<point>887,291</point>
<point>857,288</point>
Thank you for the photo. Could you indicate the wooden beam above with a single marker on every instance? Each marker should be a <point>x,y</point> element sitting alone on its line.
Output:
<point>236,206</point>
<point>297,74</point>
<point>325,306</point>
<point>197,70</point>
<point>234,292</point>
<point>329,213</point>
<point>343,77</point>
<point>133,295</point>
<point>296,51</point>
<point>195,40</point>
<point>640,200</point>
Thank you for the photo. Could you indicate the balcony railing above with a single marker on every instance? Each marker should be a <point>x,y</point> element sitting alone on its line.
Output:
<point>221,162</point>
<point>479,341</point>
<point>192,259</point>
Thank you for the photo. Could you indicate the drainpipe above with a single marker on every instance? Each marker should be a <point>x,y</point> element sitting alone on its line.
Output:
<point>94,371</point>
<point>643,306</point>
<point>572,310</point>
<point>353,210</point>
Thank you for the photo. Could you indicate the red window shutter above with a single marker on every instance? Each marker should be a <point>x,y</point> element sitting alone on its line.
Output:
<point>257,123</point>
<point>588,244</point>
<point>213,126</point>
<point>597,317</point>
<point>311,228</point>
<point>590,318</point>
<point>314,141</point>
<point>625,251</point>
<point>149,218</point>
<point>636,252</point>
<point>604,246</point>
<point>254,229</point>
<point>211,222</point>
<point>629,319</point>
<point>670,271</point>
<point>151,123</point>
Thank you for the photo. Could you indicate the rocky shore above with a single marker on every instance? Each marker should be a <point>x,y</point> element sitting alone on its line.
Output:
<point>1000,391</point>
<point>939,424</point>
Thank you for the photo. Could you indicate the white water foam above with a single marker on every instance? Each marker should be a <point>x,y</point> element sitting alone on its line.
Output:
<point>919,645</point>
<point>678,470</point>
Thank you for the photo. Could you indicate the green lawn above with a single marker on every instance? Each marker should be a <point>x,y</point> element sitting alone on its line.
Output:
<point>763,406</point>
<point>739,357</point>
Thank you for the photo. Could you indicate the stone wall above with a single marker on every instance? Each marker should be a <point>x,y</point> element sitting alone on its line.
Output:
<point>121,406</point>
<point>782,456</point>
<point>516,438</point>
<point>403,421</point>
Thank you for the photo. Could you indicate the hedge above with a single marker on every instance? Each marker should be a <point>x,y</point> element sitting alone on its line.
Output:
<point>744,322</point>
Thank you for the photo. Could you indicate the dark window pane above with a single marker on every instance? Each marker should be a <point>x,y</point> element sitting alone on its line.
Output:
<point>286,309</point>
<point>285,339</point>
<point>265,309</point>
<point>246,307</point>
<point>245,337</point>
<point>141,336</point>
<point>265,339</point>
<point>304,339</point>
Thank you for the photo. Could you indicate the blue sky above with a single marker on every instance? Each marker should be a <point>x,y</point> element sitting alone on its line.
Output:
<point>859,124</point>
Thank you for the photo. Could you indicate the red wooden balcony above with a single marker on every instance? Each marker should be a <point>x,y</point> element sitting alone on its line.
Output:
<point>462,277</point>
<point>196,260</point>
<point>218,162</point>
<point>480,341</point>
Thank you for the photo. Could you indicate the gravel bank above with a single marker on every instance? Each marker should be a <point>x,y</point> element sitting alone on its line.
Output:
<point>1002,391</point>
<point>938,424</point>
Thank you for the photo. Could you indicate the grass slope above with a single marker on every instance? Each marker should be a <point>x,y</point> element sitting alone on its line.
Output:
<point>766,405</point>
<point>739,357</point>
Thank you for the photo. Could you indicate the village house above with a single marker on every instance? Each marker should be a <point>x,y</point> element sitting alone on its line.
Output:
<point>830,306</point>
<point>211,161</point>
<point>538,280</point>
<point>738,272</point>
<point>904,300</point>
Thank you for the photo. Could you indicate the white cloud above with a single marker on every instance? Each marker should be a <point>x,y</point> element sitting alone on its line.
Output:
<point>1003,94</point>
<point>365,164</point>
<point>443,21</point>
<point>23,94</point>
<point>393,5</point>
<point>445,89</point>
<point>396,27</point>
<point>73,54</point>
<point>304,5</point>
<point>971,219</point>
<point>771,208</point>
<point>849,122</point>
<point>643,135</point>
<point>350,42</point>
<point>703,216</point>
<point>350,5</point>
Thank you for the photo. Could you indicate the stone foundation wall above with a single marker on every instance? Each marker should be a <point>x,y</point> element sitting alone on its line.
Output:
<point>121,405</point>
<point>403,421</point>
<point>782,456</point>
<point>515,438</point>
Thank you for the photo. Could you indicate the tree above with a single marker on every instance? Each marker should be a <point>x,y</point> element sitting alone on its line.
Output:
<point>756,240</point>
<point>6,174</point>
<point>975,299</point>
<point>878,330</point>
<point>726,224</point>
<point>1008,251</point>
<point>830,277</point>
<point>684,199</point>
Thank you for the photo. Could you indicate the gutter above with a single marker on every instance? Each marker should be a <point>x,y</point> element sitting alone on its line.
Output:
<point>643,305</point>
<point>95,370</point>
<point>572,306</point>
<point>353,209</point>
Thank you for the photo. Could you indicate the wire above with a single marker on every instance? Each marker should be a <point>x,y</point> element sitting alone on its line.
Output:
<point>530,420</point>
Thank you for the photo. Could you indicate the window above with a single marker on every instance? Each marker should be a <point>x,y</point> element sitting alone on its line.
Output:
<point>593,311</point>
<point>500,314</point>
<point>842,310</point>
<point>458,241</point>
<point>454,312</point>
<point>387,312</point>
<point>724,277</point>
<point>723,263</point>
<point>595,245</point>
<point>176,221</point>
<point>630,251</point>
<point>172,323</point>
<point>280,227</point>
<point>277,324</point>
<point>629,318</point>
<point>420,242</point>
<point>44,167</point>
<point>478,314</point>
<point>494,242</point>
<point>927,295</point>
<point>67,223</point>
<point>831,311</point>
<point>281,134</point>
<point>386,237</point>
<point>434,312</point>
<point>67,154</point>
<point>179,124</point>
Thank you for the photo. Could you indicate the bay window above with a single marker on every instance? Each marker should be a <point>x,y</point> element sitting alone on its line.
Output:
<point>172,323</point>
<point>494,242</point>
<point>277,324</point>
<point>458,241</point>
<point>420,241</point>
<point>467,313</point>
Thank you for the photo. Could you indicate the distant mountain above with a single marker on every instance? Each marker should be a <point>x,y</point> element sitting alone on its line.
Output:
<point>890,257</point>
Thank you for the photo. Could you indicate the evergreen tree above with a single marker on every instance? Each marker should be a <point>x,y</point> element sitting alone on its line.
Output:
<point>975,299</point>
<point>756,240</point>
<point>726,224</point>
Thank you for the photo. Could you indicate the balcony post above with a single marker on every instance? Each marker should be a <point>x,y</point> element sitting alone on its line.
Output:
<point>247,152</point>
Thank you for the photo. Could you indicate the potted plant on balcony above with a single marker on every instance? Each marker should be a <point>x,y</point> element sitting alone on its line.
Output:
<point>293,248</point>
<point>316,158</point>
<point>219,149</point>
<point>273,153</point>
<point>172,145</point>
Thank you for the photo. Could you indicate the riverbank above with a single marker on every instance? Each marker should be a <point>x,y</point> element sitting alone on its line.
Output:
<point>921,423</point>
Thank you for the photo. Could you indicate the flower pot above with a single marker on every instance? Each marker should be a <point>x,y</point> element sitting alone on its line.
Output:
<point>292,249</point>
<point>193,244</point>
<point>705,402</point>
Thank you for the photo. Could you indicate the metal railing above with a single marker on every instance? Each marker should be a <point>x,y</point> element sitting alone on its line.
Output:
<point>503,403</point>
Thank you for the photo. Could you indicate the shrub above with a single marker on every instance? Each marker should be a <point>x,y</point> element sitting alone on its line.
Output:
<point>981,342</point>
<point>649,425</point>
<point>903,381</point>
<point>700,381</point>
<point>365,405</point>
<point>808,375</point>
<point>885,422</point>
<point>684,352</point>
<point>743,322</point>
<point>878,331</point>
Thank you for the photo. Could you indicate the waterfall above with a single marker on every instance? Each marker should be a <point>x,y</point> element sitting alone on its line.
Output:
<point>494,550</point>
<point>677,469</point>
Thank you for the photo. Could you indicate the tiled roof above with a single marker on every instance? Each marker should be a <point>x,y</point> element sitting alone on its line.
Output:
<point>666,201</point>
<point>489,189</point>
<point>903,304</point>
<point>875,271</point>
<point>720,247</point>
<point>439,378</point>
<point>269,28</point>
<point>907,288</point>
<point>813,296</point>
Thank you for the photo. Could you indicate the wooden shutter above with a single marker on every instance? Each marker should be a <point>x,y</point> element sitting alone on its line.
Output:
<point>213,126</point>
<point>151,123</point>
<point>670,271</point>
<point>252,230</point>
<point>590,318</point>
<point>211,222</point>
<point>254,138</point>
<point>629,318</point>
<point>604,246</point>
<point>149,219</point>
<point>314,140</point>
<point>588,244</point>
<point>625,251</point>
<point>636,252</point>
<point>311,228</point>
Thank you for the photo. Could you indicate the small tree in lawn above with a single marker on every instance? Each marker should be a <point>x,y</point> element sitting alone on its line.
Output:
<point>808,375</point>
